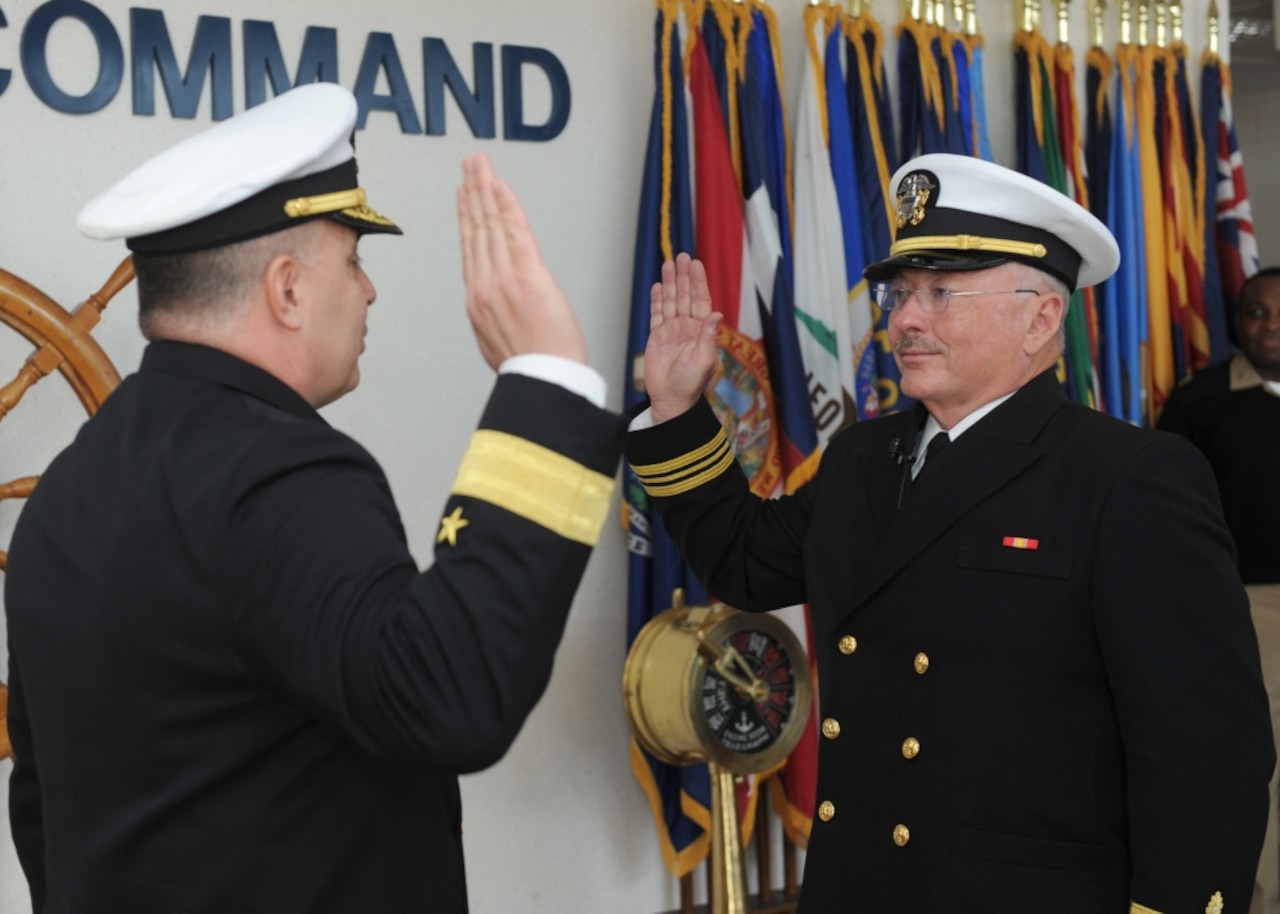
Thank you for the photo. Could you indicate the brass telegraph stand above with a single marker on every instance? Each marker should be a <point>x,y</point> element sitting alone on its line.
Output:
<point>711,684</point>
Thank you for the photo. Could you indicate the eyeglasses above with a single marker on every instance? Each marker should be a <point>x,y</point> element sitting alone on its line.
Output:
<point>933,299</point>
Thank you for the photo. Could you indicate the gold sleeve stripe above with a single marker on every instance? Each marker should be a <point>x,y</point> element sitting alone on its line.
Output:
<point>1135,908</point>
<point>676,463</point>
<point>696,468</point>
<point>536,483</point>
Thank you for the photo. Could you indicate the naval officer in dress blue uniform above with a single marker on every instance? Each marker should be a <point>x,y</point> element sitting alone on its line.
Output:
<point>1039,685</point>
<point>232,689</point>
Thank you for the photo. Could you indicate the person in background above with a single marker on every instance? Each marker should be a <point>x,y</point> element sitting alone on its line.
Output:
<point>1040,688</point>
<point>1231,412</point>
<point>232,690</point>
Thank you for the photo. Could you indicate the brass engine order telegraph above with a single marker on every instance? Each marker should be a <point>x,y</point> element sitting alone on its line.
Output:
<point>708,683</point>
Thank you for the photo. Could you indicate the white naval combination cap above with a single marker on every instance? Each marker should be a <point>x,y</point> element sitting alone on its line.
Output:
<point>277,165</point>
<point>957,213</point>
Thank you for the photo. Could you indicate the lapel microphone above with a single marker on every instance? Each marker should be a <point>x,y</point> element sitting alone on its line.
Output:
<point>903,457</point>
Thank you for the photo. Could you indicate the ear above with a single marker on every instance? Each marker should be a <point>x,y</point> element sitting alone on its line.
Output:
<point>1050,309</point>
<point>282,286</point>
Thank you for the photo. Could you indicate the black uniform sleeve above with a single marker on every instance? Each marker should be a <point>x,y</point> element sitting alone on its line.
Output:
<point>26,814</point>
<point>745,550</point>
<point>1182,660</point>
<point>441,667</point>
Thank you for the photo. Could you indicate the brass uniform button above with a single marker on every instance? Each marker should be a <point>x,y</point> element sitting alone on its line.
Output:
<point>901,835</point>
<point>848,644</point>
<point>910,747</point>
<point>831,728</point>
<point>922,663</point>
<point>827,811</point>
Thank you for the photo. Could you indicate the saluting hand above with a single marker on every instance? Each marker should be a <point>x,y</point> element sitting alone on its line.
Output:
<point>514,303</point>
<point>680,358</point>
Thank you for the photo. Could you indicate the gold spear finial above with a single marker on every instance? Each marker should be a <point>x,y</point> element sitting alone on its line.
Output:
<point>1214,26</point>
<point>1097,16</point>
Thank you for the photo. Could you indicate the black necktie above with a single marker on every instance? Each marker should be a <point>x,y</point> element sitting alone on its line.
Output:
<point>933,450</point>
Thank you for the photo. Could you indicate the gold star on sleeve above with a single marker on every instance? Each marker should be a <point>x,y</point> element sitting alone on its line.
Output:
<point>449,527</point>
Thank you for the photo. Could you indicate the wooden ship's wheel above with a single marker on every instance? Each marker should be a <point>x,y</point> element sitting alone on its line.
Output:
<point>62,343</point>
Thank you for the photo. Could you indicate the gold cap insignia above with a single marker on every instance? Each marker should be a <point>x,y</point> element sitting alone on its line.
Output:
<point>913,194</point>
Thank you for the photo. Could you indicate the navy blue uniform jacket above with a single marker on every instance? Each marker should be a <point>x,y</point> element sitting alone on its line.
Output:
<point>1041,671</point>
<point>232,689</point>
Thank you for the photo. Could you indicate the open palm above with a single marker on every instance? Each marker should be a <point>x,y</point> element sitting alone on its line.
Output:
<point>680,358</point>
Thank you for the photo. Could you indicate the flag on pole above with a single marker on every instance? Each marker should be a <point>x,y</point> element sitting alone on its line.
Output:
<point>1215,302</point>
<point>1081,320</point>
<point>867,92</point>
<point>1127,220</point>
<point>1229,217</point>
<point>1160,367</point>
<point>978,92</point>
<point>679,797</point>
<point>1125,318</point>
<point>868,95</point>
<point>1098,130</point>
<point>1029,122</point>
<point>843,173</point>
<point>821,290</point>
<point>1098,147</point>
<point>956,130</point>
<point>920,102</point>
<point>1184,211</point>
<point>763,147</point>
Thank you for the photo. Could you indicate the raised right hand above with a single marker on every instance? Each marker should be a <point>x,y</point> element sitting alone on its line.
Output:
<point>514,303</point>
<point>681,358</point>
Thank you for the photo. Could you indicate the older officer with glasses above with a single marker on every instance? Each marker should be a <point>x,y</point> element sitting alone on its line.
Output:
<point>1040,686</point>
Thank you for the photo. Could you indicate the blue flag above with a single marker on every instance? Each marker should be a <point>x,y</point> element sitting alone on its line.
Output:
<point>866,389</point>
<point>1125,292</point>
<point>868,96</point>
<point>655,569</point>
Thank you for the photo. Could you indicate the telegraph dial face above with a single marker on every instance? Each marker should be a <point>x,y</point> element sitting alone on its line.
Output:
<point>736,719</point>
<point>709,683</point>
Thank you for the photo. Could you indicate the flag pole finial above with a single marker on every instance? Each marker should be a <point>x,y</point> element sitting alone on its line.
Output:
<point>1126,21</point>
<point>1162,24</point>
<point>971,17</point>
<point>1064,22</point>
<point>1144,23</point>
<point>1214,26</point>
<point>1030,15</point>
<point>1097,15</point>
<point>1175,23</point>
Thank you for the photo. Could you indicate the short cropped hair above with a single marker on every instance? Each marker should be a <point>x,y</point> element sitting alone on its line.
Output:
<point>1264,273</point>
<point>212,282</point>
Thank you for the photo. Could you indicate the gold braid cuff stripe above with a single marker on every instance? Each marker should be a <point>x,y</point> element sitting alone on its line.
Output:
<point>349,202</point>
<point>688,471</point>
<point>1135,908</point>
<point>535,483</point>
<point>967,243</point>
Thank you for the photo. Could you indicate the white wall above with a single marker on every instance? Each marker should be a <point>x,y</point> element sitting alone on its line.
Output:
<point>559,825</point>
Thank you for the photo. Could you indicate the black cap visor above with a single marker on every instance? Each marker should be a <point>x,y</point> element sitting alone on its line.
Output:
<point>938,261</point>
